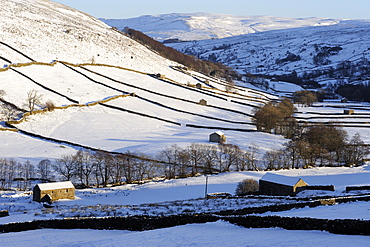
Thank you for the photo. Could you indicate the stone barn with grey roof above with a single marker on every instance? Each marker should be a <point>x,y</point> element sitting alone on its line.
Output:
<point>218,137</point>
<point>47,192</point>
<point>279,185</point>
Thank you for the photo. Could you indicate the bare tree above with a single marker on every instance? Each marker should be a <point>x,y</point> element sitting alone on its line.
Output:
<point>44,169</point>
<point>28,172</point>
<point>231,154</point>
<point>196,156</point>
<point>210,157</point>
<point>253,151</point>
<point>170,156</point>
<point>66,166</point>
<point>144,168</point>
<point>11,168</point>
<point>355,151</point>
<point>104,165</point>
<point>9,112</point>
<point>242,163</point>
<point>291,150</point>
<point>84,167</point>
<point>33,99</point>
<point>128,167</point>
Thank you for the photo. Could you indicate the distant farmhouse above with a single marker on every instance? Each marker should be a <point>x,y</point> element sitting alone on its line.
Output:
<point>218,137</point>
<point>279,185</point>
<point>48,192</point>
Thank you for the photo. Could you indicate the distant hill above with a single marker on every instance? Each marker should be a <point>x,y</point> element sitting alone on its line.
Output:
<point>311,52</point>
<point>200,26</point>
<point>327,56</point>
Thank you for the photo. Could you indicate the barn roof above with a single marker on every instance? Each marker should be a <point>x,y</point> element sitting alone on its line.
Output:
<point>280,179</point>
<point>220,133</point>
<point>56,185</point>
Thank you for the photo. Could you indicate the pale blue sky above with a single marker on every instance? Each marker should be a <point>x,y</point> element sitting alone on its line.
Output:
<point>342,9</point>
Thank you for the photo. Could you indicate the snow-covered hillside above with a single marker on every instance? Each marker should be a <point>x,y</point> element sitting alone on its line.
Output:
<point>307,51</point>
<point>43,42</point>
<point>110,93</point>
<point>327,51</point>
<point>48,31</point>
<point>199,26</point>
<point>152,113</point>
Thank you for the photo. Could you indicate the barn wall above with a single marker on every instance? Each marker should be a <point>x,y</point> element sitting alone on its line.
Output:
<point>36,194</point>
<point>269,188</point>
<point>214,138</point>
<point>58,194</point>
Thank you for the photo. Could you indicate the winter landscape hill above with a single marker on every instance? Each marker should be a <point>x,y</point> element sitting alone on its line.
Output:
<point>99,90</point>
<point>313,52</point>
<point>46,59</point>
<point>201,26</point>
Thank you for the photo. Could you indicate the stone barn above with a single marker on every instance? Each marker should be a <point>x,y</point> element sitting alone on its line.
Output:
<point>349,112</point>
<point>47,192</point>
<point>279,185</point>
<point>218,137</point>
<point>202,102</point>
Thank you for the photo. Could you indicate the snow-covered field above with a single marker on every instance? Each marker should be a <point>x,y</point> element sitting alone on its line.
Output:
<point>209,234</point>
<point>177,196</point>
<point>137,125</point>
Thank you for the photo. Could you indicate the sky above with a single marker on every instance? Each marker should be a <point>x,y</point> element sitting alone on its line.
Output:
<point>122,9</point>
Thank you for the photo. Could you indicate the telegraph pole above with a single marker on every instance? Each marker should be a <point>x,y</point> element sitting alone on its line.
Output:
<point>206,190</point>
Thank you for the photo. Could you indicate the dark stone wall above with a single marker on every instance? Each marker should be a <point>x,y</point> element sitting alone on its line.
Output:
<point>142,223</point>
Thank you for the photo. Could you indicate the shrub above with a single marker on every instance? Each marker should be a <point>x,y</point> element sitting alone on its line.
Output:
<point>304,97</point>
<point>50,105</point>
<point>247,186</point>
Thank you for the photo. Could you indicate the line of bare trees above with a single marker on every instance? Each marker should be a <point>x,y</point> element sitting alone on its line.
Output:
<point>13,173</point>
<point>318,146</point>
<point>101,168</point>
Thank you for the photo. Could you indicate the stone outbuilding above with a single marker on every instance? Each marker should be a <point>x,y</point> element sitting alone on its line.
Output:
<point>349,112</point>
<point>279,185</point>
<point>202,102</point>
<point>218,137</point>
<point>48,192</point>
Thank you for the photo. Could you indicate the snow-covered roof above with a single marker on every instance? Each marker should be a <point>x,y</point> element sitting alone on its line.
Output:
<point>56,185</point>
<point>220,133</point>
<point>280,179</point>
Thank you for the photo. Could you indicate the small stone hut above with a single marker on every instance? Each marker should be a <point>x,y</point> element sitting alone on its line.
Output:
<point>47,192</point>
<point>218,137</point>
<point>348,112</point>
<point>202,102</point>
<point>279,185</point>
<point>199,86</point>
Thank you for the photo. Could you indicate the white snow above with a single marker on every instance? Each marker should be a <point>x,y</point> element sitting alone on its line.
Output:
<point>199,26</point>
<point>47,31</point>
<point>280,179</point>
<point>210,234</point>
<point>56,185</point>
